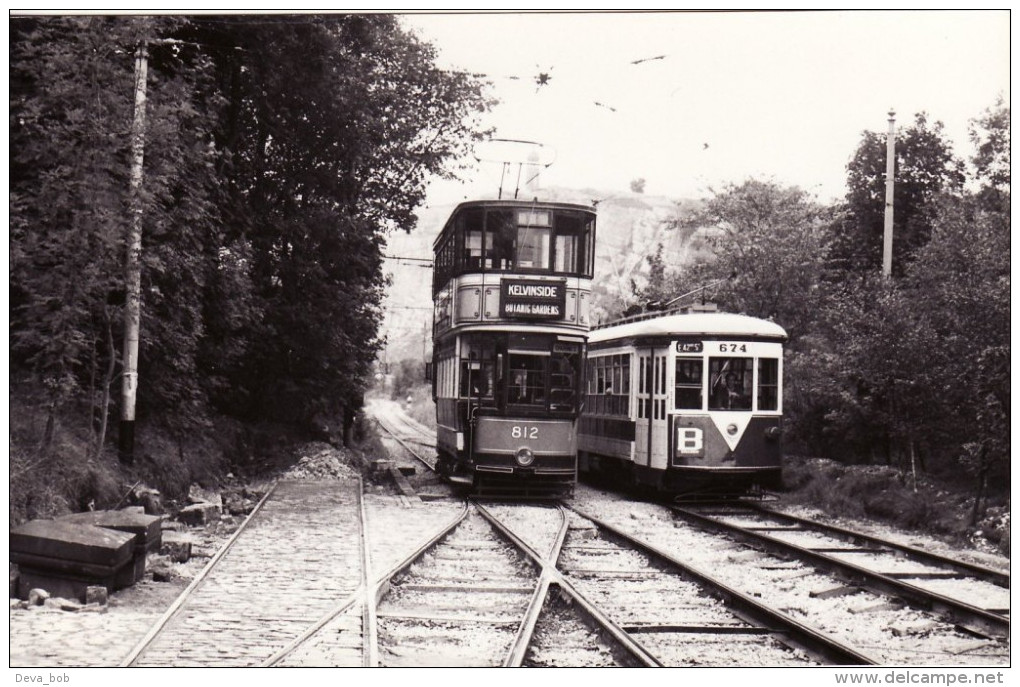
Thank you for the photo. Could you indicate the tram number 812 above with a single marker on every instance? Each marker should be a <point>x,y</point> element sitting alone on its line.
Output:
<point>523,432</point>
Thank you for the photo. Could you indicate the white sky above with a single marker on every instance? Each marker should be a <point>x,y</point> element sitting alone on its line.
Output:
<point>783,96</point>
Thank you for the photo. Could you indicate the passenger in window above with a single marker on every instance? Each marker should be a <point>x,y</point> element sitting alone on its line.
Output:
<point>727,392</point>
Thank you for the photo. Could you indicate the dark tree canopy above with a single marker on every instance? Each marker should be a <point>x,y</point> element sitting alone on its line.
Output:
<point>925,170</point>
<point>279,152</point>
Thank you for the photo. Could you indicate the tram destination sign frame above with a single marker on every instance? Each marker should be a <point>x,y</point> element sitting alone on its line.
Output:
<point>533,299</point>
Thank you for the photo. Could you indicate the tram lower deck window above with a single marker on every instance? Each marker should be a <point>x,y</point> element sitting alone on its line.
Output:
<point>688,384</point>
<point>768,384</point>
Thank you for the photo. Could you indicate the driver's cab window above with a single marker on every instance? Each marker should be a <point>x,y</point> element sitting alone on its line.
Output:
<point>526,378</point>
<point>730,383</point>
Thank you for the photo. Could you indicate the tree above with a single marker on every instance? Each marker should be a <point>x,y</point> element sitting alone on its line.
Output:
<point>768,243</point>
<point>71,110</point>
<point>331,126</point>
<point>925,169</point>
<point>960,282</point>
<point>918,368</point>
<point>278,154</point>
<point>990,134</point>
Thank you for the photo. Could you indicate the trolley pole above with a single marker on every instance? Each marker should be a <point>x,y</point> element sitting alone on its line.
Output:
<point>133,267</point>
<point>890,180</point>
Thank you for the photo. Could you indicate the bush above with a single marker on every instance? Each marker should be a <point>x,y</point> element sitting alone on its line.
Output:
<point>877,492</point>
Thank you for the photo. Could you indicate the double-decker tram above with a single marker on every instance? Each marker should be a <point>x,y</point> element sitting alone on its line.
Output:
<point>688,403</point>
<point>512,295</point>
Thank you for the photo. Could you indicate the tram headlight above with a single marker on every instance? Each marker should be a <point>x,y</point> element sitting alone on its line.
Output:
<point>731,429</point>
<point>525,457</point>
<point>772,433</point>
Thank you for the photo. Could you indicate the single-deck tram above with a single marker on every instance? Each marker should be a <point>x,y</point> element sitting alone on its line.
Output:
<point>687,402</point>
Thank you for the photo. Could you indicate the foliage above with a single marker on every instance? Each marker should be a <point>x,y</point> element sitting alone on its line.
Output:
<point>333,124</point>
<point>910,372</point>
<point>925,170</point>
<point>408,376</point>
<point>884,494</point>
<point>71,114</point>
<point>277,156</point>
<point>768,242</point>
<point>915,371</point>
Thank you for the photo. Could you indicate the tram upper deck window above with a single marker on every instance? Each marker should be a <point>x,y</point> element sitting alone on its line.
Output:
<point>501,235</point>
<point>470,227</point>
<point>569,234</point>
<point>503,239</point>
<point>730,383</point>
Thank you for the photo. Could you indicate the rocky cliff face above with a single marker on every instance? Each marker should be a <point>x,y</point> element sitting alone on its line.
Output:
<point>630,227</point>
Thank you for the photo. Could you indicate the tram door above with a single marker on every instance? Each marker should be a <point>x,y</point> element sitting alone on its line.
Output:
<point>651,436</point>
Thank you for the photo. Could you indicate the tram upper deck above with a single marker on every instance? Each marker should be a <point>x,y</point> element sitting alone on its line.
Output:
<point>500,262</point>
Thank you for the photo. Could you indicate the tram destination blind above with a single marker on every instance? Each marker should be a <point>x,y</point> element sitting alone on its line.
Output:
<point>532,299</point>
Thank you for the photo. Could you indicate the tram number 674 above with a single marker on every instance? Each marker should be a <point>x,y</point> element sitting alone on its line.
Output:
<point>732,348</point>
<point>523,432</point>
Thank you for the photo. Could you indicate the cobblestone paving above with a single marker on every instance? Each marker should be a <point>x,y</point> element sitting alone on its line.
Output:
<point>48,637</point>
<point>296,561</point>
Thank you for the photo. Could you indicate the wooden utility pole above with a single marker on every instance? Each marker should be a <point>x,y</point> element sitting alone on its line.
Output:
<point>890,180</point>
<point>133,266</point>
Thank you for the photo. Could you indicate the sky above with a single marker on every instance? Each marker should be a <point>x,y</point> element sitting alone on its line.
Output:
<point>692,101</point>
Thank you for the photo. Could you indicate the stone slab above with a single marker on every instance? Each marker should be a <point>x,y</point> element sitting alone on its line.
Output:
<point>146,528</point>
<point>66,586</point>
<point>72,542</point>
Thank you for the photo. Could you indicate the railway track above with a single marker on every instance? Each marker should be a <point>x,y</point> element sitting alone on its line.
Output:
<point>459,604</point>
<point>924,580</point>
<point>472,595</point>
<point>492,583</point>
<point>684,616</point>
<point>652,606</point>
<point>413,437</point>
<point>298,553</point>
<point>880,624</point>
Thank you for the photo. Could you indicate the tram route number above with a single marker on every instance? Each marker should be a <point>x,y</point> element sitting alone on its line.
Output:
<point>689,440</point>
<point>523,432</point>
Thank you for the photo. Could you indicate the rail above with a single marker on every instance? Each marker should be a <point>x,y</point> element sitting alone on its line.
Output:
<point>969,617</point>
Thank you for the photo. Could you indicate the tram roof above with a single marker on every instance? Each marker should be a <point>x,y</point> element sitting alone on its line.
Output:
<point>690,324</point>
<point>521,203</point>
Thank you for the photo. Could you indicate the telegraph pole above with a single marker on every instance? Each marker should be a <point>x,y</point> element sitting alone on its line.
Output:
<point>890,180</point>
<point>133,266</point>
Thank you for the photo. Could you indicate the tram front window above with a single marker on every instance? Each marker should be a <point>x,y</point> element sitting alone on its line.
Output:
<point>730,383</point>
<point>526,379</point>
<point>533,247</point>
